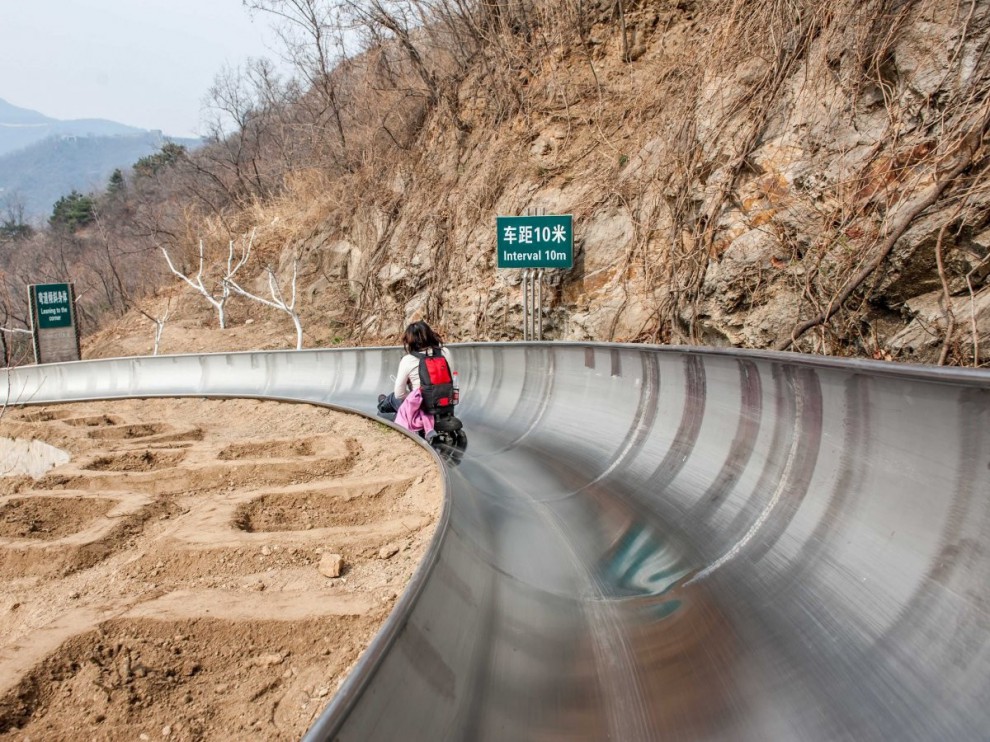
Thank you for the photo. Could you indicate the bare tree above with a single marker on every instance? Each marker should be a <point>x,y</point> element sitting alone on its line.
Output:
<point>218,294</point>
<point>245,131</point>
<point>278,300</point>
<point>159,321</point>
<point>313,35</point>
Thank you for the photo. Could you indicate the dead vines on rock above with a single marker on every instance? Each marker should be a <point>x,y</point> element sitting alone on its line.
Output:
<point>958,159</point>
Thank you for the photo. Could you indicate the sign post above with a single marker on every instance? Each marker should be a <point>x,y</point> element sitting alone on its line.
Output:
<point>53,318</point>
<point>534,243</point>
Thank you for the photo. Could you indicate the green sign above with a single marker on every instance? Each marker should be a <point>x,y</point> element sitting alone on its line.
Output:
<point>535,241</point>
<point>53,305</point>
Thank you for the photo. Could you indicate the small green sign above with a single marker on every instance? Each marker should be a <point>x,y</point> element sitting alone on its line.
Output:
<point>535,241</point>
<point>54,305</point>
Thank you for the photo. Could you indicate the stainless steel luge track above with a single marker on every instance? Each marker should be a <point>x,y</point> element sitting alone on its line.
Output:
<point>663,543</point>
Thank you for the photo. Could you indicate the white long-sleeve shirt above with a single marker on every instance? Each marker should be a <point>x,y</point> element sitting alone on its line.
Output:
<point>409,373</point>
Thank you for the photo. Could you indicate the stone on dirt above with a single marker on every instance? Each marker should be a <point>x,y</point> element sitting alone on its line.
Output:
<point>331,565</point>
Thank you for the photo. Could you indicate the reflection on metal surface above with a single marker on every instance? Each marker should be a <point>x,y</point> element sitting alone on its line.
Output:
<point>643,562</point>
<point>663,543</point>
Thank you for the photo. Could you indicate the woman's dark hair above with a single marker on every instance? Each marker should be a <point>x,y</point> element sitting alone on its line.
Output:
<point>419,336</point>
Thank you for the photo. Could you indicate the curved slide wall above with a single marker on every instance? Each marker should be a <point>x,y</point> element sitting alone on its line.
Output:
<point>663,543</point>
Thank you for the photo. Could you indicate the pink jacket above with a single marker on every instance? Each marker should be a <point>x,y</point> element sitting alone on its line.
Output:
<point>411,415</point>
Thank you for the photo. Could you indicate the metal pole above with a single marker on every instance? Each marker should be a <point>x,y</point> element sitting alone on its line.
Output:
<point>538,291</point>
<point>528,310</point>
<point>525,292</point>
<point>531,317</point>
<point>539,303</point>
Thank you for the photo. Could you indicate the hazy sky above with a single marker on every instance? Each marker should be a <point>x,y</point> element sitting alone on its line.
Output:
<point>146,63</point>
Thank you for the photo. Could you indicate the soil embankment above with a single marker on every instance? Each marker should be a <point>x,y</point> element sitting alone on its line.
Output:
<point>172,579</point>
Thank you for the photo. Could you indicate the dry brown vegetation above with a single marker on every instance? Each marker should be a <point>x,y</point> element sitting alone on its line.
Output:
<point>778,173</point>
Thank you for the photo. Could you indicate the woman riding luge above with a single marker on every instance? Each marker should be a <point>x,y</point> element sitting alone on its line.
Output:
<point>419,338</point>
<point>426,393</point>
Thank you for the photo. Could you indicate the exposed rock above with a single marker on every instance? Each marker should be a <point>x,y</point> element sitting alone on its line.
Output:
<point>768,240</point>
<point>388,551</point>
<point>331,565</point>
<point>922,339</point>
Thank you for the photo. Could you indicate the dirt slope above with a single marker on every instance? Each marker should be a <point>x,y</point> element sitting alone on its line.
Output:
<point>170,580</point>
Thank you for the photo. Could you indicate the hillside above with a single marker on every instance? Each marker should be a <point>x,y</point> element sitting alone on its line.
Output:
<point>764,175</point>
<point>38,175</point>
<point>43,159</point>
<point>724,198</point>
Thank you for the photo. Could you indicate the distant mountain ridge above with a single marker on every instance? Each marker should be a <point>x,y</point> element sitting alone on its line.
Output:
<point>43,159</point>
<point>11,114</point>
<point>22,127</point>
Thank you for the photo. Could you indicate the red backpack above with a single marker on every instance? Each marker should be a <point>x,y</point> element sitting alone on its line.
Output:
<point>436,383</point>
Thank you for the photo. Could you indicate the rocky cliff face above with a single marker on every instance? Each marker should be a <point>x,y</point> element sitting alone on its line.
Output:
<point>762,174</point>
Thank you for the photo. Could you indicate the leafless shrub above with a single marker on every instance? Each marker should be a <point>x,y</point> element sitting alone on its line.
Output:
<point>214,281</point>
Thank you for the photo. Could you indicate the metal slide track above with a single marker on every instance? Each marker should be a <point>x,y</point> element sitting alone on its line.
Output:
<point>662,543</point>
